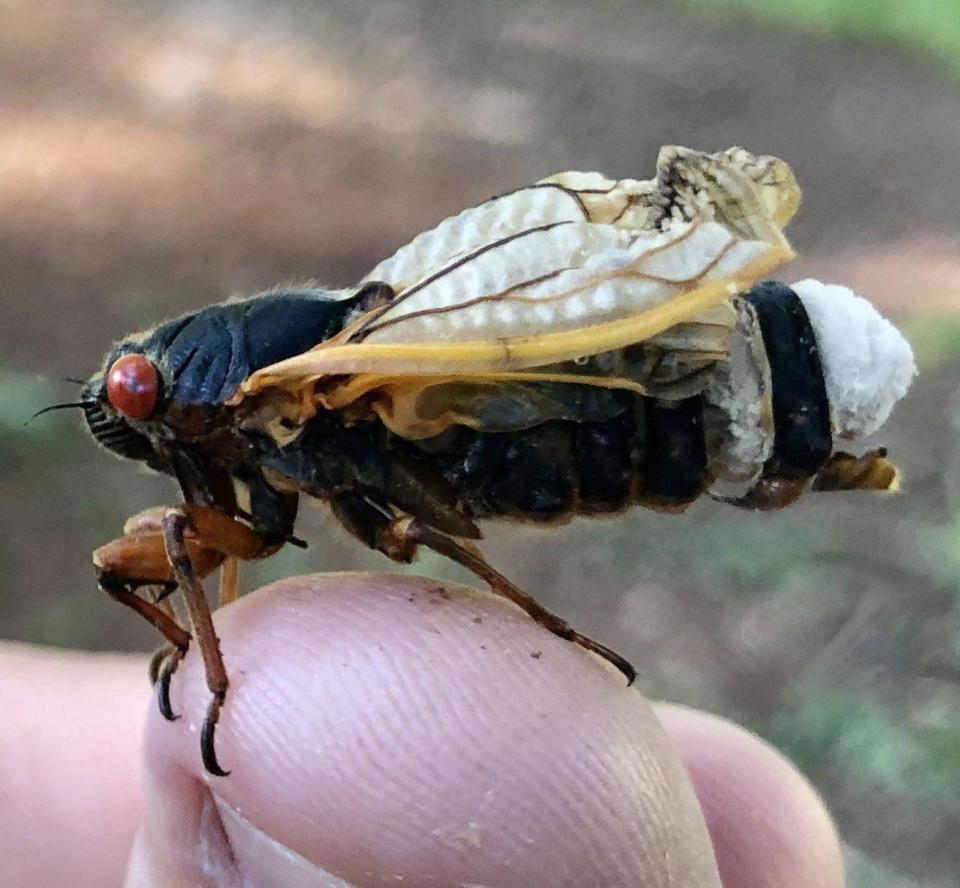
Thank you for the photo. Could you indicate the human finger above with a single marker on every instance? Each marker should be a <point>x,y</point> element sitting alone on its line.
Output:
<point>385,730</point>
<point>770,829</point>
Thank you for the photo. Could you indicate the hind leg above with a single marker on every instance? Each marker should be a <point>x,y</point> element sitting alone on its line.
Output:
<point>411,532</point>
<point>399,538</point>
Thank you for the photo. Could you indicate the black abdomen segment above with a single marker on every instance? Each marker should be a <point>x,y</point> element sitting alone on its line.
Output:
<point>652,454</point>
<point>676,466</point>
<point>801,412</point>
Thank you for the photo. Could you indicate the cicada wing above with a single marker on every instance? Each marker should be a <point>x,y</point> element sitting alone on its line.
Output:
<point>752,195</point>
<point>585,390</point>
<point>425,409</point>
<point>542,297</point>
<point>546,283</point>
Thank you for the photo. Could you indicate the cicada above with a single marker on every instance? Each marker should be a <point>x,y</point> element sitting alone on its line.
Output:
<point>579,346</point>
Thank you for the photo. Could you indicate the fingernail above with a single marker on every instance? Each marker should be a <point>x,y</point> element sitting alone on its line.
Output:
<point>262,860</point>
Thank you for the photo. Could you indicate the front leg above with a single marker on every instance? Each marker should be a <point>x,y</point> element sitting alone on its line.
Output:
<point>167,548</point>
<point>175,524</point>
<point>137,563</point>
<point>135,571</point>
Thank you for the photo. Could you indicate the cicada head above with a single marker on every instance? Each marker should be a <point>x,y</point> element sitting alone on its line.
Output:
<point>167,390</point>
<point>113,432</point>
<point>124,402</point>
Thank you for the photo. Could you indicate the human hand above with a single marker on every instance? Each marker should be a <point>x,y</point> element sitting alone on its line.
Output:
<point>387,732</point>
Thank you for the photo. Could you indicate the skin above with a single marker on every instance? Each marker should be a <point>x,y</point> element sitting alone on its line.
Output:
<point>382,731</point>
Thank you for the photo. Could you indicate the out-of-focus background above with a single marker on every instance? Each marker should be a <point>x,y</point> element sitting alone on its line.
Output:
<point>156,156</point>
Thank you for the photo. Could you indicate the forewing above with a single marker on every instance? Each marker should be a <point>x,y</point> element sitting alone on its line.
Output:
<point>755,196</point>
<point>543,297</point>
<point>551,283</point>
<point>675,365</point>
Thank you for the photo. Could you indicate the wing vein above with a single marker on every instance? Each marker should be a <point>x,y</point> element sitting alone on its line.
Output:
<point>491,297</point>
<point>510,295</point>
<point>447,269</point>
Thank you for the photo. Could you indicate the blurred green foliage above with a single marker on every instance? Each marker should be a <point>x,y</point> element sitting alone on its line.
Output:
<point>850,729</point>
<point>930,28</point>
<point>865,873</point>
<point>934,337</point>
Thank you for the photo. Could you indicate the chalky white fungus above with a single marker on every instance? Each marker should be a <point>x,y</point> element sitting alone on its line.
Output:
<point>867,364</point>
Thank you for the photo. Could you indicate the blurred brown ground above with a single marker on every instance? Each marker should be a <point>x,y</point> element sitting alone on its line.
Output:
<point>156,157</point>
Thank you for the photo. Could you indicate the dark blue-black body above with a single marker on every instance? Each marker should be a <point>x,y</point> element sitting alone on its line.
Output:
<point>611,450</point>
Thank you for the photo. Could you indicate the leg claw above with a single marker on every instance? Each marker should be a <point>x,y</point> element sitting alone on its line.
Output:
<point>163,685</point>
<point>611,656</point>
<point>207,747</point>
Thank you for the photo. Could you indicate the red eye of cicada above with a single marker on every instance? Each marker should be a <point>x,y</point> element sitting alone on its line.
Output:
<point>133,386</point>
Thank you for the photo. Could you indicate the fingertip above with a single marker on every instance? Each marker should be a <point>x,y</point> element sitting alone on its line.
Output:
<point>768,825</point>
<point>384,728</point>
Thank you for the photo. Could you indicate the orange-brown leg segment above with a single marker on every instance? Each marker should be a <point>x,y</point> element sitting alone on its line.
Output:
<point>233,540</point>
<point>229,580</point>
<point>401,537</point>
<point>137,563</point>
<point>178,637</point>
<point>175,524</point>
<point>178,547</point>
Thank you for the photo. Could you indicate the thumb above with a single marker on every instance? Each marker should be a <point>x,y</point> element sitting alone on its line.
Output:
<point>383,730</point>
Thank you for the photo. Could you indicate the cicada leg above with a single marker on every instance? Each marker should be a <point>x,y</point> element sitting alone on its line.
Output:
<point>871,471</point>
<point>177,548</point>
<point>229,580</point>
<point>136,565</point>
<point>165,659</point>
<point>403,535</point>
<point>125,592</point>
<point>175,524</point>
<point>163,664</point>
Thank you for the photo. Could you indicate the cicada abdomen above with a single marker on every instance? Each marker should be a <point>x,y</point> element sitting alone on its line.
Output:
<point>754,427</point>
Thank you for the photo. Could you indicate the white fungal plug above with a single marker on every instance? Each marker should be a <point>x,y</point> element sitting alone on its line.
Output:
<point>867,364</point>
